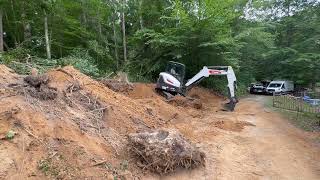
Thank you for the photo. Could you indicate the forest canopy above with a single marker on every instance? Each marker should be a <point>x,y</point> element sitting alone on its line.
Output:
<point>261,39</point>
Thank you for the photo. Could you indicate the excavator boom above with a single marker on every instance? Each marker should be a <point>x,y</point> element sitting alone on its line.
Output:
<point>215,71</point>
<point>218,71</point>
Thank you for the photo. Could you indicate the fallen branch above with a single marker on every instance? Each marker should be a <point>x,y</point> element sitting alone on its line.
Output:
<point>99,163</point>
<point>34,136</point>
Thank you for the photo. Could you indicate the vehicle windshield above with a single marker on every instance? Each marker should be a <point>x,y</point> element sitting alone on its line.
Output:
<point>175,70</point>
<point>275,85</point>
<point>258,85</point>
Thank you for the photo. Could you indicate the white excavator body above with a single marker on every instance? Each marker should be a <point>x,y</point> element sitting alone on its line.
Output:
<point>171,82</point>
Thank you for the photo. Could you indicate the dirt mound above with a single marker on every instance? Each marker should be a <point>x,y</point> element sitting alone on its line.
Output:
<point>232,126</point>
<point>117,86</point>
<point>197,98</point>
<point>185,102</point>
<point>7,75</point>
<point>164,151</point>
<point>143,91</point>
<point>61,136</point>
<point>118,83</point>
<point>205,95</point>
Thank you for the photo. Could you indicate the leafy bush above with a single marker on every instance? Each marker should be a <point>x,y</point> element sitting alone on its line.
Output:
<point>81,60</point>
<point>21,61</point>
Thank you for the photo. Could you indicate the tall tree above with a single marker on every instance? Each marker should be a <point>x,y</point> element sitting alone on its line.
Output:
<point>115,43</point>
<point>1,30</point>
<point>123,27</point>
<point>46,34</point>
<point>140,14</point>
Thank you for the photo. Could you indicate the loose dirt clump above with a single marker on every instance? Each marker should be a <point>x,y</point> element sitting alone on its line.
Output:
<point>163,151</point>
<point>38,87</point>
<point>232,126</point>
<point>37,80</point>
<point>119,83</point>
<point>185,102</point>
<point>143,91</point>
<point>117,86</point>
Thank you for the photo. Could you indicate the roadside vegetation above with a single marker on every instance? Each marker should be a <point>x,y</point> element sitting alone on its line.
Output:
<point>306,121</point>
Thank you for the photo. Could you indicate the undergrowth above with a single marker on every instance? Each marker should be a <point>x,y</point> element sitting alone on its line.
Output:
<point>22,61</point>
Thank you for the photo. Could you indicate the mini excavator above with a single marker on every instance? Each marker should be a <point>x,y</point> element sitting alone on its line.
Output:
<point>172,81</point>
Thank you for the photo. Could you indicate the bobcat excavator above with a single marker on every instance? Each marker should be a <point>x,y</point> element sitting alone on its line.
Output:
<point>172,82</point>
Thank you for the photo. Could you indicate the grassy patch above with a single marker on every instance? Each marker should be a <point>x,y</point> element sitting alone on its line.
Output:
<point>305,121</point>
<point>268,102</point>
<point>47,168</point>
<point>294,104</point>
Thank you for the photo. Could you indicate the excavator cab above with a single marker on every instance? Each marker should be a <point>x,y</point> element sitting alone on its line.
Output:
<point>176,69</point>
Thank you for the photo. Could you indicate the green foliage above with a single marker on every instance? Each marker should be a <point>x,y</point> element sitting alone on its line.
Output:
<point>16,54</point>
<point>44,166</point>
<point>10,134</point>
<point>81,60</point>
<point>47,167</point>
<point>124,165</point>
<point>260,39</point>
<point>20,60</point>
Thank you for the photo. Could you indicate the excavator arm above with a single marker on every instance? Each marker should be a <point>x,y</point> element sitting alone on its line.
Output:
<point>218,71</point>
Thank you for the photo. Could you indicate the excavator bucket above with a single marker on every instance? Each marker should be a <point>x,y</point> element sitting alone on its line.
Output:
<point>230,105</point>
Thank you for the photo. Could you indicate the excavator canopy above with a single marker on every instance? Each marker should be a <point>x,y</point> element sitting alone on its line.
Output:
<point>176,69</point>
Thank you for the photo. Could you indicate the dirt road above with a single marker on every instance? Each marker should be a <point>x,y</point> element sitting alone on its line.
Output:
<point>270,148</point>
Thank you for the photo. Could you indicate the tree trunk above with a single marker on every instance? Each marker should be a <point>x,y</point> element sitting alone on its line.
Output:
<point>123,25</point>
<point>140,14</point>
<point>26,24</point>
<point>99,25</point>
<point>46,34</point>
<point>313,86</point>
<point>199,10</point>
<point>16,34</point>
<point>5,45</point>
<point>115,43</point>
<point>84,14</point>
<point>1,31</point>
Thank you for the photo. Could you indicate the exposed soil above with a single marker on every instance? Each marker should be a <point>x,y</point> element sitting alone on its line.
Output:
<point>117,86</point>
<point>82,132</point>
<point>232,126</point>
<point>185,102</point>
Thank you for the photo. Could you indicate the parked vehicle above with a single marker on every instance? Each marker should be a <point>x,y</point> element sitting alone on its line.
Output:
<point>258,88</point>
<point>250,88</point>
<point>265,83</point>
<point>280,87</point>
